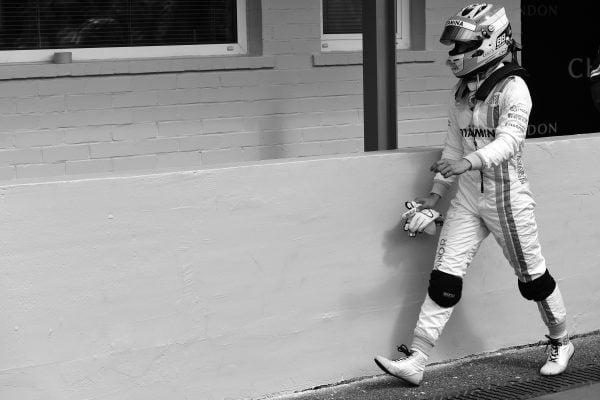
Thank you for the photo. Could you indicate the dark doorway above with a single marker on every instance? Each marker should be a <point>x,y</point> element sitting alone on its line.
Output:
<point>560,40</point>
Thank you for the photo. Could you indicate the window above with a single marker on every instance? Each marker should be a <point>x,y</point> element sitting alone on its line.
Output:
<point>342,25</point>
<point>32,30</point>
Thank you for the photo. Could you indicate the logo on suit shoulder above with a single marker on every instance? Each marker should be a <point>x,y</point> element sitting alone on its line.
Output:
<point>519,108</point>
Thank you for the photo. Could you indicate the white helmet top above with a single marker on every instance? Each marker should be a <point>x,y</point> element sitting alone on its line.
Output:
<point>481,35</point>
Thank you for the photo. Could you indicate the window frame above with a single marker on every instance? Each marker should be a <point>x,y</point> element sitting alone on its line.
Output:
<point>139,52</point>
<point>353,41</point>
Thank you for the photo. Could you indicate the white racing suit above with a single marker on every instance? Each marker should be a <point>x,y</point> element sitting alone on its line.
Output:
<point>493,197</point>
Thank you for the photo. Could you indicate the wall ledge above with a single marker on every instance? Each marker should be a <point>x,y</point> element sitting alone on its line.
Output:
<point>193,170</point>
<point>211,168</point>
<point>355,57</point>
<point>133,66</point>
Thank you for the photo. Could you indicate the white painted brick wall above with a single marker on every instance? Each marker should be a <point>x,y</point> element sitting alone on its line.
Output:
<point>112,84</point>
<point>20,156</point>
<point>6,140</point>
<point>180,128</point>
<point>14,123</point>
<point>40,104</point>
<point>88,166</point>
<point>200,142</point>
<point>203,111</point>
<point>422,126</point>
<point>135,163</point>
<point>248,139</point>
<point>38,138</point>
<point>86,134</point>
<point>181,159</point>
<point>341,146</point>
<point>153,82</point>
<point>135,131</point>
<point>18,89</point>
<point>40,170</point>
<point>197,79</point>
<point>280,137</point>
<point>113,149</point>
<point>222,156</point>
<point>49,87</point>
<point>66,153</point>
<point>8,106</point>
<point>221,125</point>
<point>303,149</point>
<point>264,152</point>
<point>136,99</point>
<point>156,146</point>
<point>422,111</point>
<point>7,173</point>
<point>159,113</point>
<point>87,102</point>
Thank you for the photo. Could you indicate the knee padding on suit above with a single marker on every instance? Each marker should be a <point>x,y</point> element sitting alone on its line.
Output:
<point>445,289</point>
<point>538,289</point>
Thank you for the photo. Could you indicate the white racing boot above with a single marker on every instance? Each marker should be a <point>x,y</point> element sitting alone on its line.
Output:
<point>409,369</point>
<point>561,351</point>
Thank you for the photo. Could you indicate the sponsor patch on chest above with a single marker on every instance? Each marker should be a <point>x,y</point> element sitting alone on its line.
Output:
<point>472,132</point>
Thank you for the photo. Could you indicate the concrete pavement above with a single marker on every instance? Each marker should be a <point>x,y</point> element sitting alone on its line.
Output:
<point>498,368</point>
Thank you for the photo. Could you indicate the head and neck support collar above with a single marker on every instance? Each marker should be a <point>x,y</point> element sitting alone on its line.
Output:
<point>508,69</point>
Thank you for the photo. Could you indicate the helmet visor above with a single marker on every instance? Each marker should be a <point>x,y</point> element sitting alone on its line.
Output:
<point>461,47</point>
<point>454,33</point>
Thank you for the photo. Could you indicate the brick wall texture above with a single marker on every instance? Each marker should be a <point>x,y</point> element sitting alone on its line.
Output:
<point>110,122</point>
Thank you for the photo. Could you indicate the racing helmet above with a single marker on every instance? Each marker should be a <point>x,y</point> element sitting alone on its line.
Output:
<point>481,36</point>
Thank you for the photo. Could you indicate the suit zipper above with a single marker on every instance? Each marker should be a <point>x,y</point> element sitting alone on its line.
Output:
<point>480,171</point>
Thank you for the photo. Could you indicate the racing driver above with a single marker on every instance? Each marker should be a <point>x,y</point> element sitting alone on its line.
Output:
<point>483,148</point>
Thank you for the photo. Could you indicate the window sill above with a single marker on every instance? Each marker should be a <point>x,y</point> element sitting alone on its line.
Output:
<point>137,66</point>
<point>356,57</point>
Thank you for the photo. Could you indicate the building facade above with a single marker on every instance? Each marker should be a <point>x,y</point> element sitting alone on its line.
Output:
<point>288,90</point>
